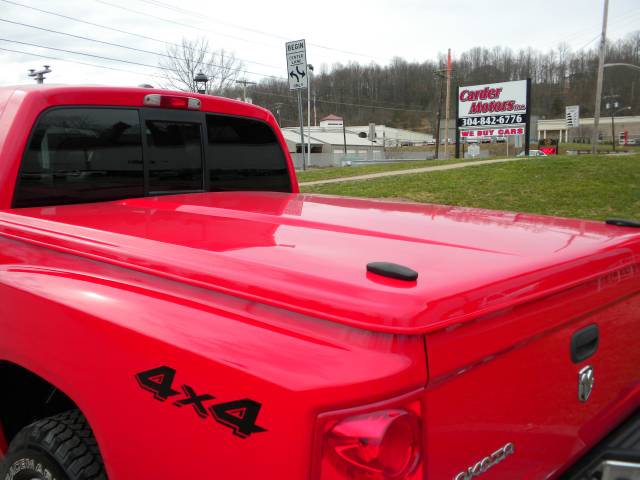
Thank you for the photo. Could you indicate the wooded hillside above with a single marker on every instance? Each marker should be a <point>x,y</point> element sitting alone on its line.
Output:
<point>405,94</point>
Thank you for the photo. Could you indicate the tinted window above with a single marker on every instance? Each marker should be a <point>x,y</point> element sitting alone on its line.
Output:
<point>244,154</point>
<point>79,155</point>
<point>175,156</point>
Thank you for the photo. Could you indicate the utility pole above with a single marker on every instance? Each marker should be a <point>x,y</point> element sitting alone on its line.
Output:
<point>438,115</point>
<point>315,113</point>
<point>613,125</point>
<point>39,75</point>
<point>302,149</point>
<point>457,129</point>
<point>278,106</point>
<point>603,44</point>
<point>244,84</point>
<point>344,135</point>
<point>446,107</point>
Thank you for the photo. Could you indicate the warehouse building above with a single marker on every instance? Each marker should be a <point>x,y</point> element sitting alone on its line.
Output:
<point>557,129</point>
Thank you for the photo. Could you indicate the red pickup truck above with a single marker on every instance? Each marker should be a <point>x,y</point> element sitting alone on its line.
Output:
<point>172,307</point>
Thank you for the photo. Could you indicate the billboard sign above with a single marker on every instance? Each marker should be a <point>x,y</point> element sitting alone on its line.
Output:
<point>495,109</point>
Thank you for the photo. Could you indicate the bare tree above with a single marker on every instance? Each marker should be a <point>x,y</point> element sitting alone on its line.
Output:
<point>183,62</point>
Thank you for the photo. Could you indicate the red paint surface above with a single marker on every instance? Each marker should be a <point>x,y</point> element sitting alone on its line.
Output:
<point>3,443</point>
<point>266,296</point>
<point>548,150</point>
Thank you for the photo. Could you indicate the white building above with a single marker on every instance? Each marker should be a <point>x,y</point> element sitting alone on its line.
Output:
<point>330,140</point>
<point>557,128</point>
<point>331,121</point>
<point>394,137</point>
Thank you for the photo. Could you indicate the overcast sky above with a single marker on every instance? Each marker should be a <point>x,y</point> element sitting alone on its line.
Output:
<point>336,31</point>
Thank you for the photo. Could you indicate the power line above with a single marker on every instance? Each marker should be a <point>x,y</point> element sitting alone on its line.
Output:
<point>359,105</point>
<point>626,18</point>
<point>113,29</point>
<point>216,20</point>
<point>577,34</point>
<point>403,106</point>
<point>175,22</point>
<point>123,46</point>
<point>370,106</point>
<point>49,57</point>
<point>118,59</point>
<point>241,27</point>
<point>87,54</point>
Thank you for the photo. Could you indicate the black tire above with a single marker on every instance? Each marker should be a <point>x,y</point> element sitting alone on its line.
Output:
<point>61,447</point>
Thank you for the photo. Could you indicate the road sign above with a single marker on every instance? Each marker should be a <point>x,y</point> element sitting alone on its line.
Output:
<point>297,64</point>
<point>474,150</point>
<point>517,141</point>
<point>573,116</point>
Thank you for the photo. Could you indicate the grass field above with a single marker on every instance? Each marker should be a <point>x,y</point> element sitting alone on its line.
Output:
<point>337,172</point>
<point>500,149</point>
<point>572,186</point>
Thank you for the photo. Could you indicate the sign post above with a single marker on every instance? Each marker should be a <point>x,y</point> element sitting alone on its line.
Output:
<point>298,79</point>
<point>458,129</point>
<point>527,129</point>
<point>495,110</point>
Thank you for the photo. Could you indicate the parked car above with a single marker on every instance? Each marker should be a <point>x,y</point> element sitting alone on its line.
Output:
<point>187,313</point>
<point>533,153</point>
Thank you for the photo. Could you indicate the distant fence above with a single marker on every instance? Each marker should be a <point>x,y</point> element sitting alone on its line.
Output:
<point>320,160</point>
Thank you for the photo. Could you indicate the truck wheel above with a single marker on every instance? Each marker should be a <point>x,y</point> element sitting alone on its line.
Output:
<point>61,447</point>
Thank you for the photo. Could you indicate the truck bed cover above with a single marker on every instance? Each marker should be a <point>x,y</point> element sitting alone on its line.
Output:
<point>280,249</point>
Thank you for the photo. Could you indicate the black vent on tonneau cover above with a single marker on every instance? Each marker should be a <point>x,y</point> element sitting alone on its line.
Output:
<point>393,270</point>
<point>621,222</point>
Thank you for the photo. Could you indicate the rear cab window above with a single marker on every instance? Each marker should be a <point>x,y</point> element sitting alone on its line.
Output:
<point>84,155</point>
<point>80,155</point>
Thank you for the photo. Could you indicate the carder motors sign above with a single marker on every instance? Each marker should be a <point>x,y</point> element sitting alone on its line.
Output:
<point>497,109</point>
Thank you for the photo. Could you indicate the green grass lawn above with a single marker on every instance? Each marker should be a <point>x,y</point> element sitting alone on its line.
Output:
<point>601,147</point>
<point>570,186</point>
<point>337,172</point>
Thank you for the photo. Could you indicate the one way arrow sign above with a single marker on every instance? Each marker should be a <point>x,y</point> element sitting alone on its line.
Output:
<point>297,64</point>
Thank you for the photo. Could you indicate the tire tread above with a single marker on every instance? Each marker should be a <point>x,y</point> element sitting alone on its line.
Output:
<point>68,438</point>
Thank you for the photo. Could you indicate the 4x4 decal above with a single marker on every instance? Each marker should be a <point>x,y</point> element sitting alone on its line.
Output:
<point>239,415</point>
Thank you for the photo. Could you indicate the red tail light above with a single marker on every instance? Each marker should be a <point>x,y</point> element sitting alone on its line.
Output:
<point>381,444</point>
<point>171,101</point>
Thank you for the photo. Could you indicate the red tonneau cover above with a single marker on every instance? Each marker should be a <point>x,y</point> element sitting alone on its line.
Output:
<point>308,253</point>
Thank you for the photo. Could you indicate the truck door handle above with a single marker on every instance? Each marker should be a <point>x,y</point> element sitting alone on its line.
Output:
<point>584,343</point>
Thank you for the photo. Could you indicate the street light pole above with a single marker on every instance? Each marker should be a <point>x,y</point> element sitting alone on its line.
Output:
<point>310,73</point>
<point>446,106</point>
<point>603,44</point>
<point>613,131</point>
